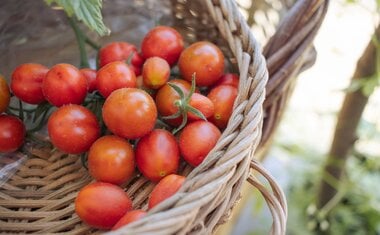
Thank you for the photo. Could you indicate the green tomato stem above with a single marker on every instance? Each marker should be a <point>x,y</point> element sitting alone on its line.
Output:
<point>81,39</point>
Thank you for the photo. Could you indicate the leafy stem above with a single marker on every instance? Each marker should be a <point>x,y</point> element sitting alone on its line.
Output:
<point>183,104</point>
<point>81,39</point>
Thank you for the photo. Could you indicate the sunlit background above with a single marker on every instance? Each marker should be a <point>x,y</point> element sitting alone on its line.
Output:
<point>306,132</point>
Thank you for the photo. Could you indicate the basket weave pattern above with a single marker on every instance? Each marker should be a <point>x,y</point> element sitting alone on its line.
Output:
<point>39,196</point>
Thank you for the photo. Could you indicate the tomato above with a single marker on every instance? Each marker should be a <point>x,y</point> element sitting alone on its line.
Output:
<point>26,82</point>
<point>120,51</point>
<point>129,217</point>
<point>141,85</point>
<point>157,154</point>
<point>111,160</point>
<point>5,95</point>
<point>102,205</point>
<point>90,75</point>
<point>113,76</point>
<point>231,79</point>
<point>196,141</point>
<point>73,128</point>
<point>64,84</point>
<point>129,113</point>
<point>164,42</point>
<point>166,188</point>
<point>202,104</point>
<point>204,59</point>
<point>156,72</point>
<point>12,133</point>
<point>165,98</point>
<point>223,98</point>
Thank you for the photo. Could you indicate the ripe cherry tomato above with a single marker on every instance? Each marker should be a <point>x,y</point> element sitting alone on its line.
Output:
<point>157,154</point>
<point>26,82</point>
<point>120,51</point>
<point>129,217</point>
<point>156,72</point>
<point>12,133</point>
<point>64,84</point>
<point>73,128</point>
<point>90,75</point>
<point>166,188</point>
<point>196,141</point>
<point>204,59</point>
<point>129,113</point>
<point>223,98</point>
<point>165,98</point>
<point>5,95</point>
<point>111,160</point>
<point>164,42</point>
<point>202,104</point>
<point>102,205</point>
<point>231,79</point>
<point>113,76</point>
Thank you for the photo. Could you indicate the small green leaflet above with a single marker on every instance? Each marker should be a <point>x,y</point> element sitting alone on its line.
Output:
<point>87,11</point>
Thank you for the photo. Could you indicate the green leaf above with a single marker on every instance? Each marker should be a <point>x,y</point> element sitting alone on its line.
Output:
<point>87,11</point>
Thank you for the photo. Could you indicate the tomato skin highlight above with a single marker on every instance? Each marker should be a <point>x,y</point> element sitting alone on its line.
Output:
<point>157,154</point>
<point>156,72</point>
<point>73,128</point>
<point>26,82</point>
<point>121,51</point>
<point>129,113</point>
<point>113,76</point>
<point>204,59</point>
<point>64,84</point>
<point>111,160</point>
<point>102,205</point>
<point>166,188</point>
<point>231,79</point>
<point>164,42</point>
<point>203,104</point>
<point>5,95</point>
<point>196,140</point>
<point>129,217</point>
<point>223,98</point>
<point>90,75</point>
<point>12,133</point>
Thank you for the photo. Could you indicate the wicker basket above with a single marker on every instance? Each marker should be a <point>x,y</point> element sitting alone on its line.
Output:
<point>38,197</point>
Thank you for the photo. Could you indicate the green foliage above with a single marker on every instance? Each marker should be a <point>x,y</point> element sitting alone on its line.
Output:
<point>87,11</point>
<point>356,209</point>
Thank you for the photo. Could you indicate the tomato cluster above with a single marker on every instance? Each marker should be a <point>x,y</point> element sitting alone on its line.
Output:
<point>143,111</point>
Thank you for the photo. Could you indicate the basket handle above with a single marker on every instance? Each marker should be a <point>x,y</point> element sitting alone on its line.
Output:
<point>275,198</point>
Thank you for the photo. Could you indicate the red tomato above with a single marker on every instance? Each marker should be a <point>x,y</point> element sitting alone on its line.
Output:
<point>203,104</point>
<point>12,133</point>
<point>196,141</point>
<point>113,76</point>
<point>120,51</point>
<point>64,84</point>
<point>5,95</point>
<point>166,188</point>
<point>129,217</point>
<point>164,42</point>
<point>90,75</point>
<point>165,98</point>
<point>111,160</point>
<point>157,154</point>
<point>156,72</point>
<point>204,59</point>
<point>26,82</point>
<point>102,205</point>
<point>223,98</point>
<point>129,113</point>
<point>231,79</point>
<point>73,128</point>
